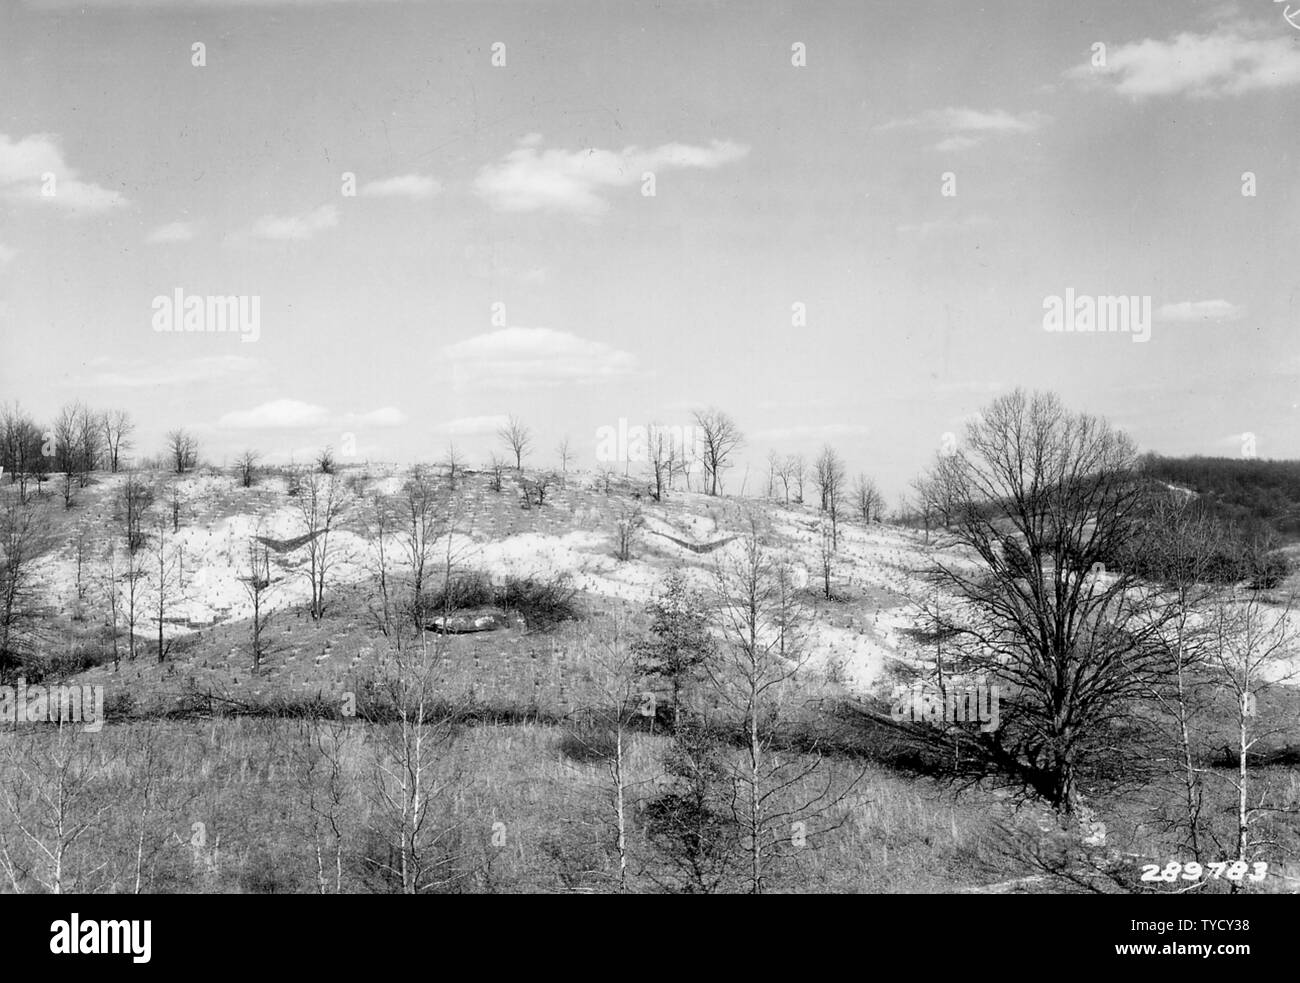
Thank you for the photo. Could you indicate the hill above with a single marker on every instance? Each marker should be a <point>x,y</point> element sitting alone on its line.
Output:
<point>1248,491</point>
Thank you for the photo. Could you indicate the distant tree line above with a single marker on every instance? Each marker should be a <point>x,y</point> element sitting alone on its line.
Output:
<point>1248,491</point>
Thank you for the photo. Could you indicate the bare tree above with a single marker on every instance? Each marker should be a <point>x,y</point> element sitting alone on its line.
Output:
<point>565,454</point>
<point>90,449</point>
<point>721,438</point>
<point>67,450</point>
<point>1253,645</point>
<point>325,787</point>
<point>246,468</point>
<point>626,524</point>
<point>785,472</point>
<point>322,503</point>
<point>21,449</point>
<point>605,727</point>
<point>117,428</point>
<point>182,450</point>
<point>383,519</point>
<point>325,461</point>
<point>798,470</point>
<point>758,667</point>
<point>424,520</point>
<point>133,577</point>
<point>410,788</point>
<point>174,503</point>
<point>134,502</point>
<point>76,439</point>
<point>47,790</point>
<point>685,463</point>
<point>1182,547</point>
<point>454,463</point>
<point>24,538</point>
<point>773,472</point>
<point>517,437</point>
<point>535,490</point>
<point>826,552</point>
<point>497,467</point>
<point>257,583</point>
<point>867,499</point>
<point>80,553</point>
<point>831,478</point>
<point>112,600</point>
<point>1039,496</point>
<point>168,584</point>
<point>661,459</point>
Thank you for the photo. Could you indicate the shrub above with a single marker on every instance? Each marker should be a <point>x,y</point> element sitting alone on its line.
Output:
<point>542,601</point>
<point>470,589</point>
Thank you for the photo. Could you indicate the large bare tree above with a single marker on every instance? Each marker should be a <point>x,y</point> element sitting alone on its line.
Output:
<point>720,438</point>
<point>1040,497</point>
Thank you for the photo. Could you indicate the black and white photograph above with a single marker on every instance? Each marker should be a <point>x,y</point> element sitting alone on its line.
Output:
<point>565,447</point>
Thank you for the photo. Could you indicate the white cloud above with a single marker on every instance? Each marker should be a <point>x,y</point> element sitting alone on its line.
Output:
<point>294,414</point>
<point>1200,310</point>
<point>302,226</point>
<point>6,253</point>
<point>965,127</point>
<point>471,426</point>
<point>529,179</point>
<point>24,164</point>
<point>402,186</point>
<point>1229,60</point>
<point>385,416</point>
<point>533,356</point>
<point>280,414</point>
<point>173,232</point>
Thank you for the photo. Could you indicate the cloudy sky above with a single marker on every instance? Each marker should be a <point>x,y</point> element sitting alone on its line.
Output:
<point>445,213</point>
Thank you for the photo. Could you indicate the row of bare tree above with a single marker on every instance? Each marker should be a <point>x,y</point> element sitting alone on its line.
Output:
<point>78,442</point>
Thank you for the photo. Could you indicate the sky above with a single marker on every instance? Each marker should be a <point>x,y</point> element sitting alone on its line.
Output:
<point>838,222</point>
